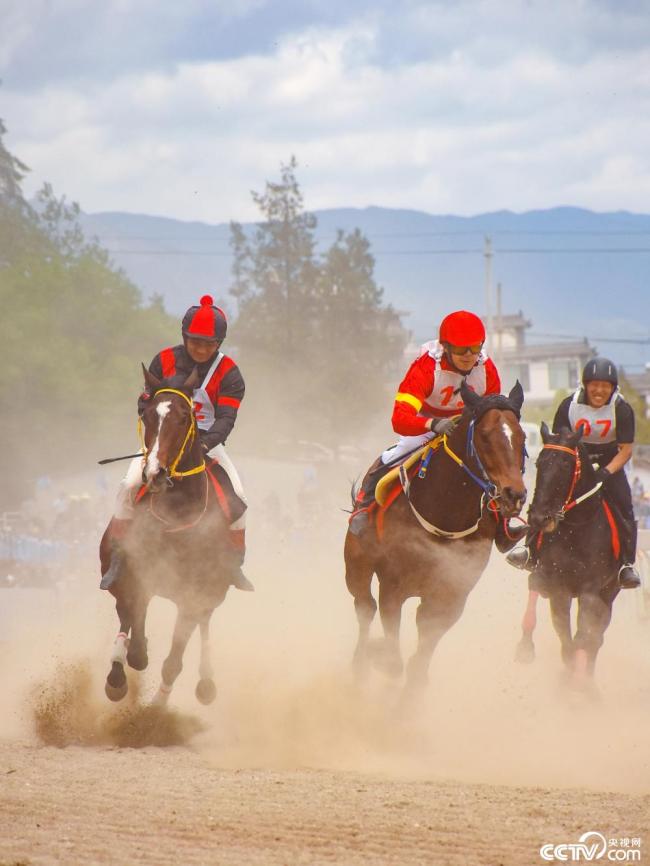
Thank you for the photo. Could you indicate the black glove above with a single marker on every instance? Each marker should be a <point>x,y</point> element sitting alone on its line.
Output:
<point>602,474</point>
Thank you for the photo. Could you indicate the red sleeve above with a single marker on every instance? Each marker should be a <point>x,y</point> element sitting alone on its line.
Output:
<point>492,380</point>
<point>414,388</point>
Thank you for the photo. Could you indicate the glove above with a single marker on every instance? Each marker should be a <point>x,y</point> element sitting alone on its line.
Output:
<point>444,425</point>
<point>603,474</point>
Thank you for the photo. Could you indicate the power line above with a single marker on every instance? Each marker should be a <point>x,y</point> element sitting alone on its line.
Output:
<point>440,252</point>
<point>636,340</point>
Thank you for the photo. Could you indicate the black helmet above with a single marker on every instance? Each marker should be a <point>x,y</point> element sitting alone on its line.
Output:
<point>601,370</point>
<point>205,322</point>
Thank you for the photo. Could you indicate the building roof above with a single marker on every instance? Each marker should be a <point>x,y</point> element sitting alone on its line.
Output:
<point>548,351</point>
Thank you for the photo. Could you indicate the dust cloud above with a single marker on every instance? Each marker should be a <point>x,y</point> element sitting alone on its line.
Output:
<point>286,697</point>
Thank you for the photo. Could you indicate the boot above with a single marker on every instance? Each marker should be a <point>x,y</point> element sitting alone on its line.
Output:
<point>118,530</point>
<point>628,577</point>
<point>360,519</point>
<point>520,557</point>
<point>234,559</point>
<point>116,566</point>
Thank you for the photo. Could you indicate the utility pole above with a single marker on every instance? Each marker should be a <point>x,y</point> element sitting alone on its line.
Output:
<point>488,292</point>
<point>499,326</point>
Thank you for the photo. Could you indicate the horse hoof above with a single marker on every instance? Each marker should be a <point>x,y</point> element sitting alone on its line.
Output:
<point>525,652</point>
<point>116,685</point>
<point>386,660</point>
<point>205,691</point>
<point>137,660</point>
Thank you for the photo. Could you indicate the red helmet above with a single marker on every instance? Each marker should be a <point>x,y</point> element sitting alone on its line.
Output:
<point>205,322</point>
<point>462,329</point>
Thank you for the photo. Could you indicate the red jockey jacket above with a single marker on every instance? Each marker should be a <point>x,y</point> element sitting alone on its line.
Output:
<point>431,388</point>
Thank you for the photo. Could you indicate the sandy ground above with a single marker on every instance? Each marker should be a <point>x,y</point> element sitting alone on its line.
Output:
<point>293,763</point>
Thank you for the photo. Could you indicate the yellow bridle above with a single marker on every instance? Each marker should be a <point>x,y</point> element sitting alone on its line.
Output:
<point>189,436</point>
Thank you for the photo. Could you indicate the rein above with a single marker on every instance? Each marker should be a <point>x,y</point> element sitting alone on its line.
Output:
<point>189,437</point>
<point>570,503</point>
<point>487,486</point>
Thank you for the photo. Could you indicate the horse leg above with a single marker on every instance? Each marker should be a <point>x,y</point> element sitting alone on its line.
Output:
<point>205,691</point>
<point>358,577</point>
<point>386,655</point>
<point>594,615</point>
<point>137,652</point>
<point>525,651</point>
<point>434,618</point>
<point>116,685</point>
<point>173,664</point>
<point>560,601</point>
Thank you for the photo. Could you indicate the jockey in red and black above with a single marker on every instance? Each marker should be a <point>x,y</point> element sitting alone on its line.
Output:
<point>225,390</point>
<point>428,401</point>
<point>216,402</point>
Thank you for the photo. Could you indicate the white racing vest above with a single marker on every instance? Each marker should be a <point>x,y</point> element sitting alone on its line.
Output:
<point>203,408</point>
<point>598,425</point>
<point>445,398</point>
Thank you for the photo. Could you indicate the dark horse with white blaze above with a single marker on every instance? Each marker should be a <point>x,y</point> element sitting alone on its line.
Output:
<point>576,558</point>
<point>174,546</point>
<point>437,538</point>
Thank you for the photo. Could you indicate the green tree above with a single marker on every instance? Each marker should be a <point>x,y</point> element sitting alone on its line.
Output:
<point>308,324</point>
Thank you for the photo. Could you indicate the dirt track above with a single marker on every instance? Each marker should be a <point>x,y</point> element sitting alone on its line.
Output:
<point>294,765</point>
<point>154,806</point>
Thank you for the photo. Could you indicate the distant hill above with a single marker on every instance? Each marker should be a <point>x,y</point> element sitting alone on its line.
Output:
<point>571,271</point>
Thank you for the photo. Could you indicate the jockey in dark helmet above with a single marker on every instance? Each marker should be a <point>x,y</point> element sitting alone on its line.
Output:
<point>428,401</point>
<point>216,402</point>
<point>607,423</point>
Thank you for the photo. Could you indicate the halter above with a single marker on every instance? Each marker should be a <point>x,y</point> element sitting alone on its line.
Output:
<point>189,437</point>
<point>577,469</point>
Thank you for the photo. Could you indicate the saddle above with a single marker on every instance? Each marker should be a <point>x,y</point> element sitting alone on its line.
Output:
<point>386,482</point>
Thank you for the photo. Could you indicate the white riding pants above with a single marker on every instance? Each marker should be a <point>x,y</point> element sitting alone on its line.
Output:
<point>124,508</point>
<point>405,445</point>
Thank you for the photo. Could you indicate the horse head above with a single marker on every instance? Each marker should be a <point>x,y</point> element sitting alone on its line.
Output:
<point>169,427</point>
<point>497,443</point>
<point>559,467</point>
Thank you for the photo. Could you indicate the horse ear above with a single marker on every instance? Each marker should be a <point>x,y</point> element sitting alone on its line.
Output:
<point>516,396</point>
<point>151,381</point>
<point>192,380</point>
<point>546,433</point>
<point>576,436</point>
<point>470,398</point>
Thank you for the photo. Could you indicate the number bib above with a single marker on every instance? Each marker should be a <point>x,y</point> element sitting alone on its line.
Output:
<point>598,425</point>
<point>445,398</point>
<point>203,408</point>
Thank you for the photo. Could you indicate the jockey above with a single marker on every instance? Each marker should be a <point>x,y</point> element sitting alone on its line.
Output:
<point>216,402</point>
<point>607,423</point>
<point>428,402</point>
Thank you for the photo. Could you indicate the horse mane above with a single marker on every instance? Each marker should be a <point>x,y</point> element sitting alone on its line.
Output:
<point>491,401</point>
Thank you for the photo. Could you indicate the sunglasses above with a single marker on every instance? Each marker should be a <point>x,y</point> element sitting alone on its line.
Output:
<point>474,349</point>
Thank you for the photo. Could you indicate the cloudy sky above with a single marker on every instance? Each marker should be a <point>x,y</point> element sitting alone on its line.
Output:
<point>456,106</point>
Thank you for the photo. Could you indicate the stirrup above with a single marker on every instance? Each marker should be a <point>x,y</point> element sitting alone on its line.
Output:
<point>519,557</point>
<point>628,577</point>
<point>239,580</point>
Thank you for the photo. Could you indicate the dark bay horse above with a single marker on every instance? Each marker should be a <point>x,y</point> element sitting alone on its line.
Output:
<point>173,546</point>
<point>437,538</point>
<point>576,556</point>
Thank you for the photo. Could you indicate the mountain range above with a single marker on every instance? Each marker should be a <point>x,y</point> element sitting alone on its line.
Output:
<point>572,272</point>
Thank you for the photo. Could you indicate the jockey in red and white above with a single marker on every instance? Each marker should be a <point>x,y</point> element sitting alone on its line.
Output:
<point>428,401</point>
<point>216,401</point>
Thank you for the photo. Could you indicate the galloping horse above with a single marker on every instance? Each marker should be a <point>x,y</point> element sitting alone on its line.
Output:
<point>573,527</point>
<point>173,547</point>
<point>435,540</point>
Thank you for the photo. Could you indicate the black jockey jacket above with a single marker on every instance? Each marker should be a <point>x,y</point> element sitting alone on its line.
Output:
<point>226,388</point>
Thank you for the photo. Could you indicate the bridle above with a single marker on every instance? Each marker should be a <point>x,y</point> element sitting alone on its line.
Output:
<point>172,472</point>
<point>570,503</point>
<point>488,499</point>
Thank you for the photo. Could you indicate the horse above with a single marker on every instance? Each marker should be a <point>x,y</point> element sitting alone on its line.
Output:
<point>576,539</point>
<point>175,544</point>
<point>434,541</point>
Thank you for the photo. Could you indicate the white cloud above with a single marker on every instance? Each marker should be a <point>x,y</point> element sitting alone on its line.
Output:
<point>458,108</point>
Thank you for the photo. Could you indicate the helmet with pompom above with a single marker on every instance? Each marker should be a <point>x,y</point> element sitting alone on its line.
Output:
<point>205,322</point>
<point>462,328</point>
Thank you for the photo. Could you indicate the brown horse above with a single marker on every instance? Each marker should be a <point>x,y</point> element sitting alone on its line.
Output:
<point>175,545</point>
<point>437,538</point>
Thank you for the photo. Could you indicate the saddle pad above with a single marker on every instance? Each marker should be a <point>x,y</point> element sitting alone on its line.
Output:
<point>386,482</point>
